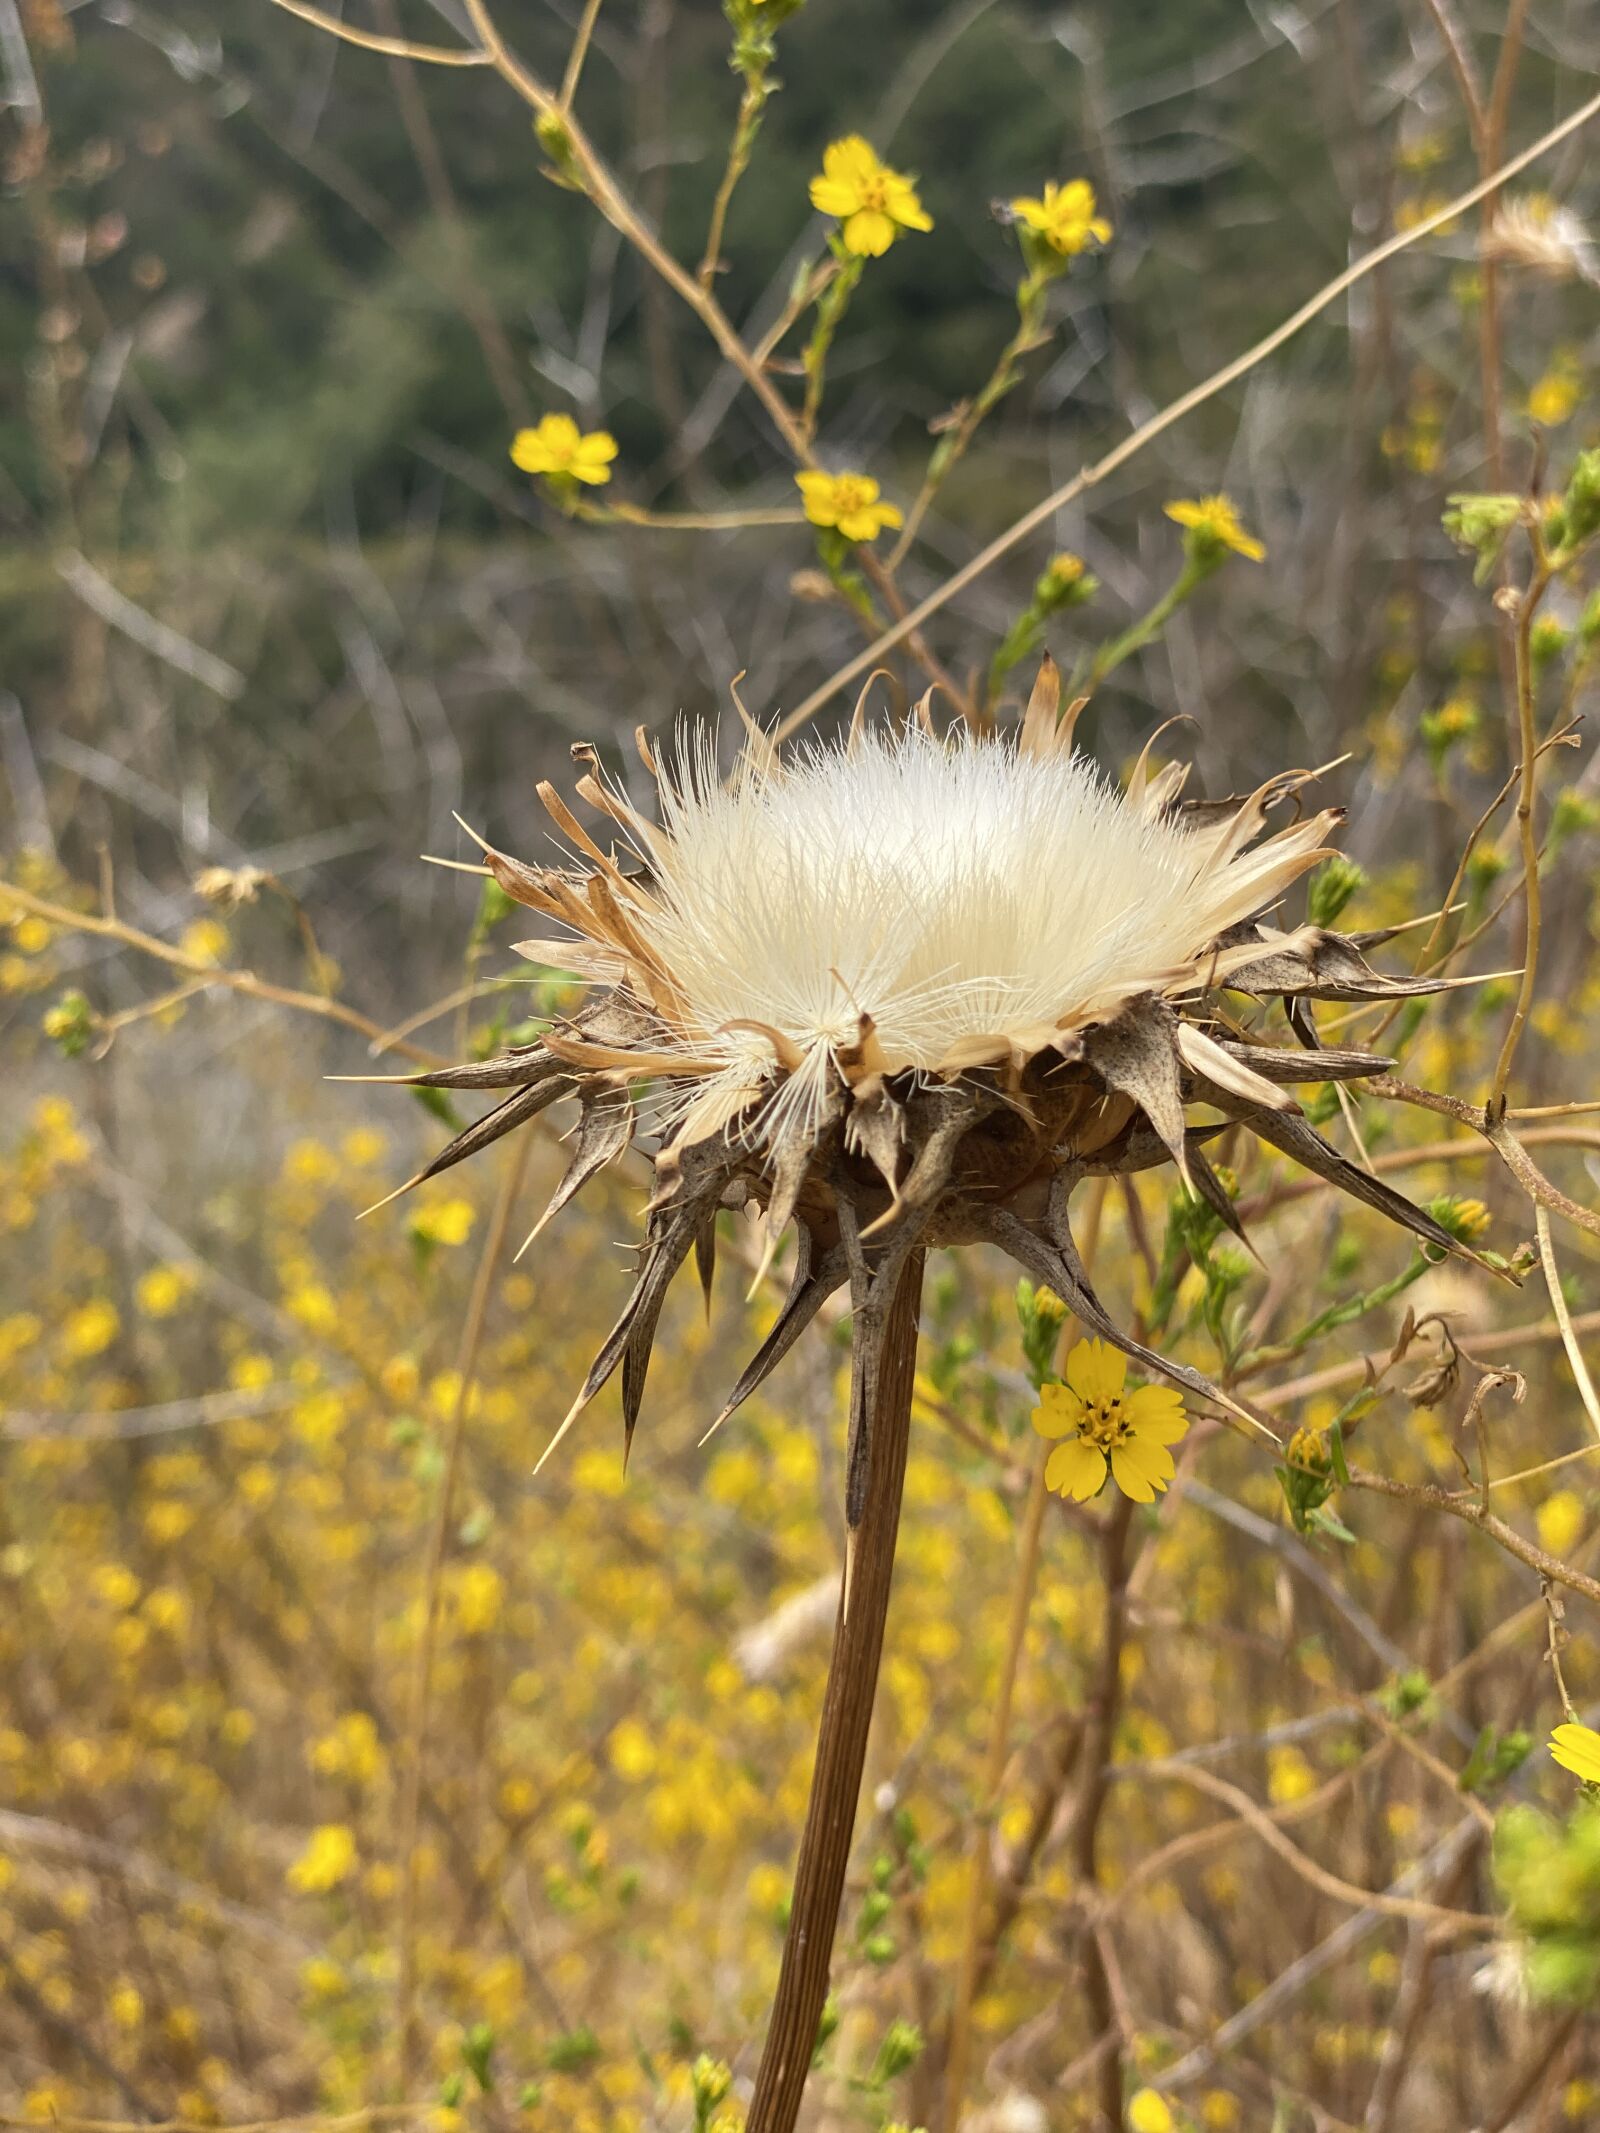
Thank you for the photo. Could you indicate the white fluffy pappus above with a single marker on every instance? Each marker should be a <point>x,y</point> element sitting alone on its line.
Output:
<point>963,894</point>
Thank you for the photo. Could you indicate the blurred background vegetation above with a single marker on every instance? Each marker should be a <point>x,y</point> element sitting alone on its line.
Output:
<point>272,596</point>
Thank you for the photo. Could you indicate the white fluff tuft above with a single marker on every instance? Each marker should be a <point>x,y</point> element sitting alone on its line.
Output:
<point>951,890</point>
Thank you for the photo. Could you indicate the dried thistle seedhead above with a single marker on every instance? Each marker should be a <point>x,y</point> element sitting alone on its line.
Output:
<point>1535,232</point>
<point>905,991</point>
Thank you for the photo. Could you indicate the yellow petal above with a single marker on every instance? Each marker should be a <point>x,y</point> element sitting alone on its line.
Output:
<point>834,196</point>
<point>900,199</point>
<point>1575,1748</point>
<point>1156,1413</point>
<point>1096,1371</point>
<point>850,160</point>
<point>1075,1469</point>
<point>859,525</point>
<point>868,233</point>
<point>1140,1462</point>
<point>1131,1477</point>
<point>560,433</point>
<point>1059,1410</point>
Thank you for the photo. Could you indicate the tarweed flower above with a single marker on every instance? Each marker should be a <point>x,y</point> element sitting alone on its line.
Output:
<point>559,450</point>
<point>1577,1748</point>
<point>902,991</point>
<point>1150,2112</point>
<point>847,504</point>
<point>1102,1424</point>
<point>1213,526</point>
<point>871,203</point>
<point>328,1860</point>
<point>1064,219</point>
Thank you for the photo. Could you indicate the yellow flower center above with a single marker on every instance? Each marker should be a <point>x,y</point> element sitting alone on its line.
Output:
<point>1104,1424</point>
<point>850,493</point>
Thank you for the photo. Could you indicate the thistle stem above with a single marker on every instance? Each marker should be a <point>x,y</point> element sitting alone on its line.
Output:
<point>841,1737</point>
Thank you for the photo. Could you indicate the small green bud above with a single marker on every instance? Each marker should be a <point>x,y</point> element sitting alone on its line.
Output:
<point>880,1949</point>
<point>1331,888</point>
<point>451,2090</point>
<point>1580,507</point>
<point>1547,640</point>
<point>1409,1692</point>
<point>1453,722</point>
<point>477,2049</point>
<point>1465,1220</point>
<point>827,2025</point>
<point>901,2048</point>
<point>69,1024</point>
<point>710,2082</point>
<point>1065,581</point>
<point>553,137</point>
<point>1481,524</point>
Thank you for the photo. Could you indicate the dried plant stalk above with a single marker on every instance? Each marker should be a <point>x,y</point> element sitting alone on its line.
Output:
<point>841,1736</point>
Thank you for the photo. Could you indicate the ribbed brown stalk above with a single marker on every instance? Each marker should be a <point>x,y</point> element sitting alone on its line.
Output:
<point>841,1738</point>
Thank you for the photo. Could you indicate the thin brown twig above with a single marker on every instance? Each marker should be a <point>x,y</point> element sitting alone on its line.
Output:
<point>578,54</point>
<point>433,55</point>
<point>240,981</point>
<point>1466,1506</point>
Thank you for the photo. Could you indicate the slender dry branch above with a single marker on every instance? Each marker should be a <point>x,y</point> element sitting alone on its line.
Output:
<point>1527,832</point>
<point>433,55</point>
<point>1468,1507</point>
<point>241,981</point>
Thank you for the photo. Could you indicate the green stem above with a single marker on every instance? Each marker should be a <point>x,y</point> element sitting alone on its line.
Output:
<point>831,307</point>
<point>1111,655</point>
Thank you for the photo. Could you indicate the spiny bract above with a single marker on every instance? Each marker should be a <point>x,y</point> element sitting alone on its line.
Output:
<point>903,991</point>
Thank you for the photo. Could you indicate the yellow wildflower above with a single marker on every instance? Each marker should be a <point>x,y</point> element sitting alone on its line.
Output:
<point>558,447</point>
<point>847,503</point>
<point>1101,1422</point>
<point>633,1754</point>
<point>480,1594</point>
<point>90,1329</point>
<point>1065,218</point>
<point>1214,523</point>
<point>163,1290</point>
<point>1560,1520</point>
<point>1577,1748</point>
<point>444,1222</point>
<point>127,2007</point>
<point>327,1860</point>
<point>1555,396</point>
<point>872,203</point>
<point>1289,1776</point>
<point>205,941</point>
<point>1149,2112</point>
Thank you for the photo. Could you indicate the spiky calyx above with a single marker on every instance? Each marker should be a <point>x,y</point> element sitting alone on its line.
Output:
<point>879,1100</point>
